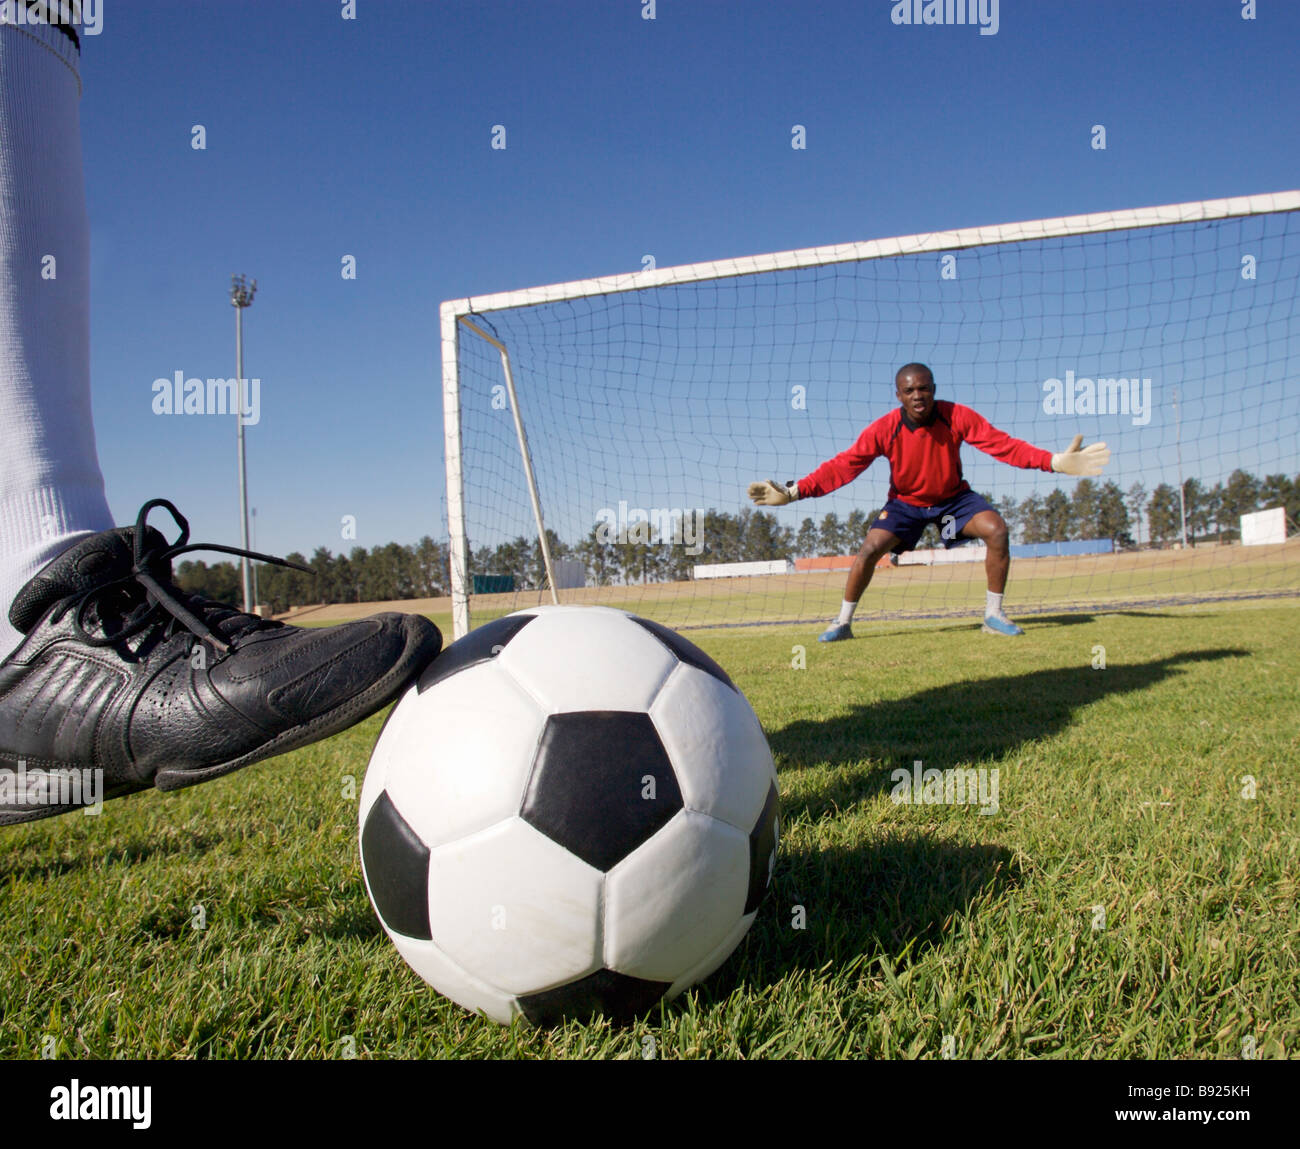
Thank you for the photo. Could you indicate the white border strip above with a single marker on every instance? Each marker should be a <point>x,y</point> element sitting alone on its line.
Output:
<point>1093,223</point>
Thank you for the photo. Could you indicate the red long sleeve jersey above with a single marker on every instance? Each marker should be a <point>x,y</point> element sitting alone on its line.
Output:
<point>924,461</point>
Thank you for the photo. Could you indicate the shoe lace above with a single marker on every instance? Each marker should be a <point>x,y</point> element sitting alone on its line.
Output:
<point>164,602</point>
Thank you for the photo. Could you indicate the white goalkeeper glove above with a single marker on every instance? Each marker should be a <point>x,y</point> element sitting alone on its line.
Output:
<point>769,493</point>
<point>1086,461</point>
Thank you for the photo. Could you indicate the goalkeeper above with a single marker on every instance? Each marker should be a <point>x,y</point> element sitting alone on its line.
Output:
<point>921,440</point>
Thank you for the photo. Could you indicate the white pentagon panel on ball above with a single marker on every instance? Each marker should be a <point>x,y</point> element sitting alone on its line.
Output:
<point>716,745</point>
<point>588,658</point>
<point>516,908</point>
<point>457,763</point>
<point>371,788</point>
<point>446,976</point>
<point>669,904</point>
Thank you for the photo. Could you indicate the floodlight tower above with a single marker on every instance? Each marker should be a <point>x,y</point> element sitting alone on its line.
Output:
<point>241,296</point>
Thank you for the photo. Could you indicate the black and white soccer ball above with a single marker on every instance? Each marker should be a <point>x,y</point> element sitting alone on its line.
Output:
<point>573,811</point>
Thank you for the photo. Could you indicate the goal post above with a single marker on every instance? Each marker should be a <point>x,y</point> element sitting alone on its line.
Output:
<point>649,399</point>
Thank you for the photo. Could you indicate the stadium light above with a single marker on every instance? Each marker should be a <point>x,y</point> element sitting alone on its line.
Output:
<point>241,296</point>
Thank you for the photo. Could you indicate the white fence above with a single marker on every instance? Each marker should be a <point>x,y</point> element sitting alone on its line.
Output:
<point>744,570</point>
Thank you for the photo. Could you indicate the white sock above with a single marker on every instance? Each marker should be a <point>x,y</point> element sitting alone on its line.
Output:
<point>992,605</point>
<point>846,612</point>
<point>51,489</point>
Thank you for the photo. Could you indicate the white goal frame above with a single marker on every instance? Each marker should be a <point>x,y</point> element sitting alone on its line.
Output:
<point>454,314</point>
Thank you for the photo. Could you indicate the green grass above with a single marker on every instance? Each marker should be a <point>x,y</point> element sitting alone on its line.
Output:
<point>1120,793</point>
<point>1147,579</point>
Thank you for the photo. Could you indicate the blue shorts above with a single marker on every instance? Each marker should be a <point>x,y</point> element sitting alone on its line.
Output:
<point>907,521</point>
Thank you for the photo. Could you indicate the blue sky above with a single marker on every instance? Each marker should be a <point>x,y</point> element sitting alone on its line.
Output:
<point>371,137</point>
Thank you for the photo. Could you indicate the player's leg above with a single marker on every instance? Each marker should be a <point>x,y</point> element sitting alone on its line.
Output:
<point>112,679</point>
<point>51,490</point>
<point>991,528</point>
<point>878,543</point>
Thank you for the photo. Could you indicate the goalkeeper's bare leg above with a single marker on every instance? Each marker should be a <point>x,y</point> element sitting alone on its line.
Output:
<point>878,543</point>
<point>992,529</point>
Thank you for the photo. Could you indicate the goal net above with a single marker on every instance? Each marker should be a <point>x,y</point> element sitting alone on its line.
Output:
<point>627,415</point>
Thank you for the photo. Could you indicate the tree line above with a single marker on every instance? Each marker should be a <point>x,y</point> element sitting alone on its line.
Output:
<point>1093,510</point>
<point>381,574</point>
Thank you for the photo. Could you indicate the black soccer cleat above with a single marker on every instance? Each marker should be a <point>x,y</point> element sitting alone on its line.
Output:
<point>124,673</point>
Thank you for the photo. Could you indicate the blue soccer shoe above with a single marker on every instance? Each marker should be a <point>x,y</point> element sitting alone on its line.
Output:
<point>995,624</point>
<point>836,632</point>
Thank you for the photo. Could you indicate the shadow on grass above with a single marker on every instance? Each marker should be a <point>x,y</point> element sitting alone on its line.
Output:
<point>1028,620</point>
<point>1074,619</point>
<point>887,900</point>
<point>20,864</point>
<point>355,920</point>
<point>960,722</point>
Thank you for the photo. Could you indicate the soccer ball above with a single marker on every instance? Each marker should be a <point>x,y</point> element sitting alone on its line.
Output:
<point>572,811</point>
